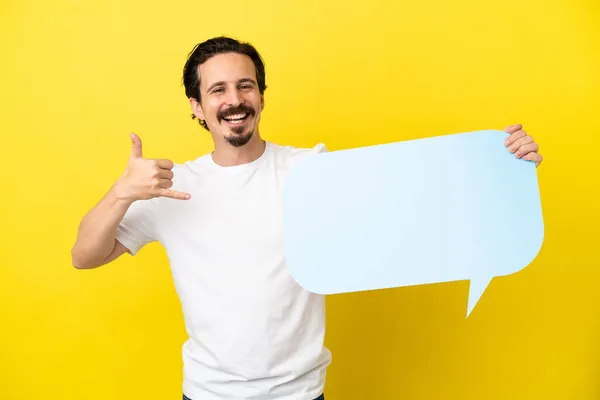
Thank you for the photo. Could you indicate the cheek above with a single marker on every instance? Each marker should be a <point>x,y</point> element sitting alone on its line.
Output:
<point>211,110</point>
<point>256,103</point>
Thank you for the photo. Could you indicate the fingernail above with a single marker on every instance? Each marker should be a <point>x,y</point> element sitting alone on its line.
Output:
<point>511,149</point>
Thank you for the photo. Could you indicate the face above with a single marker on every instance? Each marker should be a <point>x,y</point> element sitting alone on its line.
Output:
<point>231,103</point>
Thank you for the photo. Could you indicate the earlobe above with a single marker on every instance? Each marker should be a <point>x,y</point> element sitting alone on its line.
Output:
<point>196,108</point>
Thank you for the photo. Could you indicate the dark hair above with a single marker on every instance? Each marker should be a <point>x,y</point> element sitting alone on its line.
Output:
<point>218,45</point>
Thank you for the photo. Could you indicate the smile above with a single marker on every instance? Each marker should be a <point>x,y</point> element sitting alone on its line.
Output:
<point>236,119</point>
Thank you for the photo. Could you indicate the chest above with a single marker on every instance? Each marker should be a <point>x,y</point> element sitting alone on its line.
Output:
<point>237,219</point>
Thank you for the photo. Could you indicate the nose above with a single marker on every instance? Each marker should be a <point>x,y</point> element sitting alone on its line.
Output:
<point>234,97</point>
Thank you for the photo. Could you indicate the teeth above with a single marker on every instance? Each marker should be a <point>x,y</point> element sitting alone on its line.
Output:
<point>237,116</point>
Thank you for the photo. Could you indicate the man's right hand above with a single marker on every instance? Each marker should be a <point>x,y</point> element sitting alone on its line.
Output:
<point>144,179</point>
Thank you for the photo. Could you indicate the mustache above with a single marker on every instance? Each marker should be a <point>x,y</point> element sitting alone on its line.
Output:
<point>240,109</point>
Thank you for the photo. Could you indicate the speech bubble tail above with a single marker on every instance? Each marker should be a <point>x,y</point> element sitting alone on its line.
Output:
<point>476,289</point>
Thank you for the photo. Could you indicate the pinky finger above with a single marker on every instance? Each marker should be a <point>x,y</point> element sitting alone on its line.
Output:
<point>173,194</point>
<point>535,157</point>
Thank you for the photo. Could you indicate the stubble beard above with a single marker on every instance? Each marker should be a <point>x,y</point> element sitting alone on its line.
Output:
<point>238,139</point>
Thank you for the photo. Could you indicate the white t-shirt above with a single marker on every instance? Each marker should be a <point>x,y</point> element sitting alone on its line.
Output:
<point>254,333</point>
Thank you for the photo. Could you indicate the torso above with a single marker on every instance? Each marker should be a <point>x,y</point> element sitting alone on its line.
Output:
<point>254,332</point>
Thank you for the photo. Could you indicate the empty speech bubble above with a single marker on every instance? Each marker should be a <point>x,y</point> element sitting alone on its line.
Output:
<point>446,208</point>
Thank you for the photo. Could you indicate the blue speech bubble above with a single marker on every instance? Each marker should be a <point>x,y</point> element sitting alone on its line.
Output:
<point>441,209</point>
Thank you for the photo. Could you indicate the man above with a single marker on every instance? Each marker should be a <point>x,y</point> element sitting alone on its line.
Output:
<point>253,332</point>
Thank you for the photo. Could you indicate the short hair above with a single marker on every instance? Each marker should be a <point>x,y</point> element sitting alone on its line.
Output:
<point>209,48</point>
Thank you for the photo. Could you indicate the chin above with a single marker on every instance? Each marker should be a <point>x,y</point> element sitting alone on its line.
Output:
<point>239,140</point>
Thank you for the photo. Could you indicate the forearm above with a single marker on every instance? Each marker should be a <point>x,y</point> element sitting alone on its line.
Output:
<point>98,228</point>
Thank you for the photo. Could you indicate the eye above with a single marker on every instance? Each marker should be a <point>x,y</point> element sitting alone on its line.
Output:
<point>246,87</point>
<point>218,90</point>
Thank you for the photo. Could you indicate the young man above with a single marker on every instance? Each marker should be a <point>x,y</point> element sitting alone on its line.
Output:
<point>254,333</point>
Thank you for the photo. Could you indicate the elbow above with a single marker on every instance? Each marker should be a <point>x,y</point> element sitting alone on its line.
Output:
<point>79,262</point>
<point>80,266</point>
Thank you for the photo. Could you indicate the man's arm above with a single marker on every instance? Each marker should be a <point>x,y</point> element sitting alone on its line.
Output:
<point>143,179</point>
<point>96,242</point>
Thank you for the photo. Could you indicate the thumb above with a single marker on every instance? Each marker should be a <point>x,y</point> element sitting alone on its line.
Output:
<point>136,146</point>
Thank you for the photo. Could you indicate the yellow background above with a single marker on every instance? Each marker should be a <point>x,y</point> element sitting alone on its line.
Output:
<point>78,76</point>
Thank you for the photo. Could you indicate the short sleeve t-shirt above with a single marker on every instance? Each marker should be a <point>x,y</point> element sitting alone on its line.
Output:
<point>254,333</point>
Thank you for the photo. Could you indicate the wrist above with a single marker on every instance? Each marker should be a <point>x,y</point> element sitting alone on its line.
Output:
<point>122,192</point>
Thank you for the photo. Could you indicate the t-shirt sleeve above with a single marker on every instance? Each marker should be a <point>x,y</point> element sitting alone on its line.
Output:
<point>137,227</point>
<point>299,154</point>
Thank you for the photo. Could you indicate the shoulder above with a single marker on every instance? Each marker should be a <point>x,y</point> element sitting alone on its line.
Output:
<point>190,169</point>
<point>291,155</point>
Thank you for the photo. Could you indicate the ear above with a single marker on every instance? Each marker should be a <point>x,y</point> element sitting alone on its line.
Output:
<point>197,108</point>
<point>262,102</point>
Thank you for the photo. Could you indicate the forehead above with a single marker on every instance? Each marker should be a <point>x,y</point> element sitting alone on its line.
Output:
<point>228,67</point>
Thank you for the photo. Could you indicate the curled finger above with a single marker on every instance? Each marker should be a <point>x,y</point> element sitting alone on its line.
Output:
<point>513,138</point>
<point>535,157</point>
<point>165,164</point>
<point>525,149</point>
<point>520,142</point>
<point>165,183</point>
<point>165,174</point>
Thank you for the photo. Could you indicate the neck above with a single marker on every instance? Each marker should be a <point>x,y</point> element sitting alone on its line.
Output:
<point>227,155</point>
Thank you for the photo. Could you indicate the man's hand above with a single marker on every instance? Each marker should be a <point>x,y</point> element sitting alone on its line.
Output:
<point>144,179</point>
<point>522,145</point>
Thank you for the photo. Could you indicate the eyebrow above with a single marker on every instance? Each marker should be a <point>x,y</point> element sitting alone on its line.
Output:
<point>243,80</point>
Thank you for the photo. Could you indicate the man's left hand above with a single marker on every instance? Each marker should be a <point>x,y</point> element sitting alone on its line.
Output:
<point>522,145</point>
